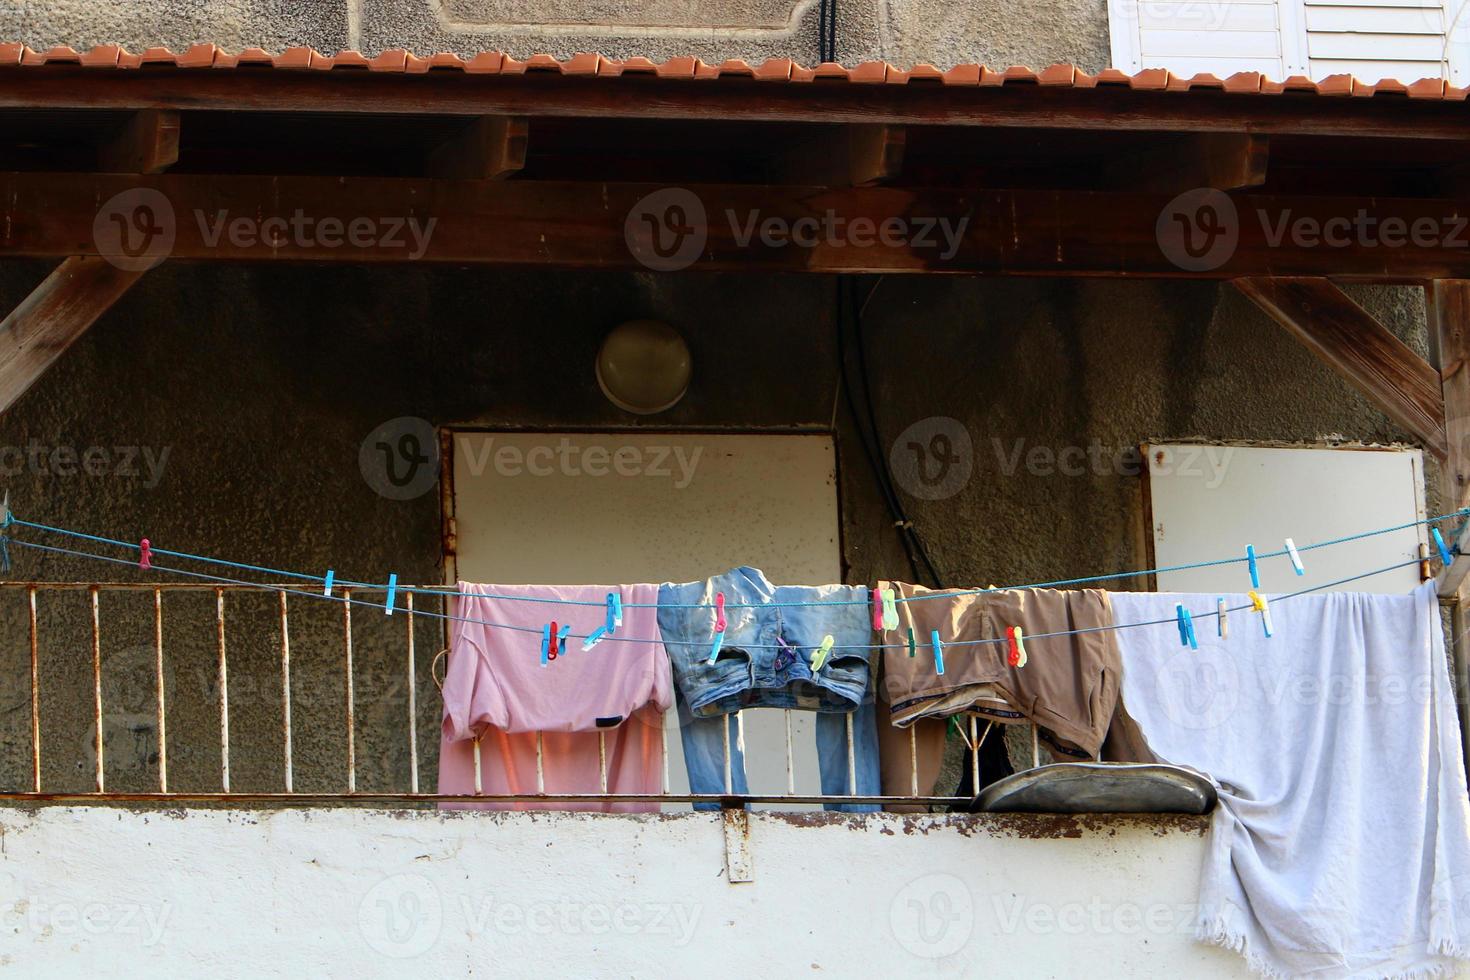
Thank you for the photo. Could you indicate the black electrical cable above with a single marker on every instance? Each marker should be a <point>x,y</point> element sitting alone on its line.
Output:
<point>905,525</point>
<point>827,30</point>
<point>848,315</point>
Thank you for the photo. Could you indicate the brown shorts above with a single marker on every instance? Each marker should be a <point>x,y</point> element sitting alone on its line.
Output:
<point>1069,685</point>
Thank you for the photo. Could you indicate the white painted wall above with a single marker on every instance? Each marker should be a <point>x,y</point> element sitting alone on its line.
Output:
<point>345,892</point>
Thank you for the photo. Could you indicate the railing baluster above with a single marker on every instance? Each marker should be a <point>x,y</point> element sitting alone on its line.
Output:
<point>413,708</point>
<point>351,711</point>
<point>287,770</point>
<point>540,767</point>
<point>479,783</point>
<point>790,762</point>
<point>663,730</point>
<point>851,758</point>
<point>913,760</point>
<point>224,691</point>
<point>602,757</point>
<point>975,758</point>
<point>35,697</point>
<point>97,686</point>
<point>1035,747</point>
<point>725,739</point>
<point>158,683</point>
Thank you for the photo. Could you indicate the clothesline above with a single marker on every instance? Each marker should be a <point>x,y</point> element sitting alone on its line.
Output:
<point>612,638</point>
<point>11,520</point>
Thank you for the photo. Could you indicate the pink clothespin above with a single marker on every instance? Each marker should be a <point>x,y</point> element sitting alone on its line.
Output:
<point>145,555</point>
<point>714,651</point>
<point>877,611</point>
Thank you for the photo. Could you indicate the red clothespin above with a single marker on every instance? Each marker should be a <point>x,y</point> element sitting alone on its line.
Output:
<point>1016,656</point>
<point>145,555</point>
<point>552,640</point>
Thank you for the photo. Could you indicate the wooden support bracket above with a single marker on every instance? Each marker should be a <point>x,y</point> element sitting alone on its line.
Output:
<point>1359,348</point>
<point>52,317</point>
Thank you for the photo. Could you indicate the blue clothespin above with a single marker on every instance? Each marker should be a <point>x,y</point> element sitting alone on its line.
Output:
<point>938,651</point>
<point>392,593</point>
<point>327,582</point>
<point>561,637</point>
<point>594,638</point>
<point>614,612</point>
<point>714,650</point>
<point>546,644</point>
<point>1296,559</point>
<point>5,521</point>
<point>1186,628</point>
<point>1220,628</point>
<point>1444,553</point>
<point>1250,557</point>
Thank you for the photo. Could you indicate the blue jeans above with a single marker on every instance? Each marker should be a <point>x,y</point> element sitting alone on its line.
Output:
<point>765,658</point>
<point>704,756</point>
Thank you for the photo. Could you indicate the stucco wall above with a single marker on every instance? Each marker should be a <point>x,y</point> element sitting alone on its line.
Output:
<point>371,893</point>
<point>901,31</point>
<point>256,385</point>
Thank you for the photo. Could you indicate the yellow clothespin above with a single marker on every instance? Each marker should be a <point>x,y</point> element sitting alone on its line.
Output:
<point>819,655</point>
<point>890,610</point>
<point>1258,603</point>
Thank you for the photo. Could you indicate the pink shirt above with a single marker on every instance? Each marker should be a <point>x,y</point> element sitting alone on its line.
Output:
<point>497,691</point>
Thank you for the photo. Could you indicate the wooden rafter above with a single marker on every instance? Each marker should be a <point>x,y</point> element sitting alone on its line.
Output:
<point>1224,161</point>
<point>1347,337</point>
<point>53,317</point>
<point>490,148</point>
<point>148,143</point>
<point>854,156</point>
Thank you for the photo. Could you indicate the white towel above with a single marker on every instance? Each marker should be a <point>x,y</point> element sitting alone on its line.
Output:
<point>1341,846</point>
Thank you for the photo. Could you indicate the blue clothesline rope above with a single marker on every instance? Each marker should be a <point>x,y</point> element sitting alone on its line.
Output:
<point>11,519</point>
<point>265,586</point>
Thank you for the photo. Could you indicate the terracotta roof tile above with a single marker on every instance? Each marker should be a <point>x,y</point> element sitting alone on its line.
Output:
<point>773,70</point>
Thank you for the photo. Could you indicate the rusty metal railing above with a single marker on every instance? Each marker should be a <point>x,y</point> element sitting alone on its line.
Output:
<point>348,598</point>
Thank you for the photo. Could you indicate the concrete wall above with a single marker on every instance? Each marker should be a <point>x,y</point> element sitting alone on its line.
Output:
<point>257,385</point>
<point>374,893</point>
<point>900,31</point>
